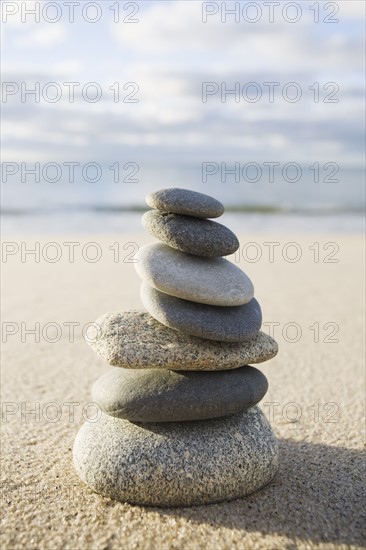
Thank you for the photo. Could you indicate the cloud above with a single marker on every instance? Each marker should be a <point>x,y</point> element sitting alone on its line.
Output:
<point>353,9</point>
<point>169,54</point>
<point>47,36</point>
<point>173,35</point>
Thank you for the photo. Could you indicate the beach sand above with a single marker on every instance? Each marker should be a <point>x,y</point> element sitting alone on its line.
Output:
<point>315,402</point>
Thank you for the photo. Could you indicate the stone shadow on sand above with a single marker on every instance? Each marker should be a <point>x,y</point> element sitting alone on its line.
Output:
<point>318,495</point>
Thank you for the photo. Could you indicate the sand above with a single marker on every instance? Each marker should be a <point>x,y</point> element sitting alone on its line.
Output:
<point>315,404</point>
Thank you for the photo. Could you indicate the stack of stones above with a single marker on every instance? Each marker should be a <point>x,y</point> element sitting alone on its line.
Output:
<point>179,423</point>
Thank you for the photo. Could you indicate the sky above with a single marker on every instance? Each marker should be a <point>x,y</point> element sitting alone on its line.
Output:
<point>168,53</point>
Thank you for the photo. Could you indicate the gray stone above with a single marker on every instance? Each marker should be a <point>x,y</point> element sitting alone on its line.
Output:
<point>154,395</point>
<point>213,281</point>
<point>133,339</point>
<point>184,201</point>
<point>192,235</point>
<point>225,324</point>
<point>177,463</point>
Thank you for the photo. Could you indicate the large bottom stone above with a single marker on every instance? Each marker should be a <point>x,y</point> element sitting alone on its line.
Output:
<point>176,464</point>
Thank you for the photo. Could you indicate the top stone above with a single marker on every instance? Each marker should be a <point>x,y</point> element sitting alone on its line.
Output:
<point>184,201</point>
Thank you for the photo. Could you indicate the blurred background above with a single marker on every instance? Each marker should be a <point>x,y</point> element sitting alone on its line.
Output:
<point>119,109</point>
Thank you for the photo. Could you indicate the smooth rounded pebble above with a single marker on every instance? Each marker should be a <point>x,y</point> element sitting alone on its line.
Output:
<point>178,463</point>
<point>185,201</point>
<point>154,395</point>
<point>225,324</point>
<point>135,340</point>
<point>192,235</point>
<point>213,281</point>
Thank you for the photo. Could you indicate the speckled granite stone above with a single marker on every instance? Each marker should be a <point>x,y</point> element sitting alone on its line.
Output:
<point>192,235</point>
<point>213,281</point>
<point>184,201</point>
<point>225,324</point>
<point>179,463</point>
<point>133,339</point>
<point>155,395</point>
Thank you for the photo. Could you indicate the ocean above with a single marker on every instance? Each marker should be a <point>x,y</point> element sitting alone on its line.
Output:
<point>320,200</point>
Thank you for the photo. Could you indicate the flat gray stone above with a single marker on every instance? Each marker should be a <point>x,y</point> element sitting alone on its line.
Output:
<point>154,395</point>
<point>192,235</point>
<point>184,201</point>
<point>178,463</point>
<point>225,324</point>
<point>213,281</point>
<point>135,340</point>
